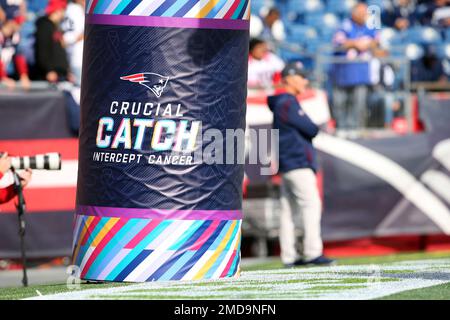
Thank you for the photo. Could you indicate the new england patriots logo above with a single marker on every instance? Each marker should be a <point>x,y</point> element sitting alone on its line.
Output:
<point>153,81</point>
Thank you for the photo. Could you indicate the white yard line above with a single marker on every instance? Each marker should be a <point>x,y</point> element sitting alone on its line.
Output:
<point>338,282</point>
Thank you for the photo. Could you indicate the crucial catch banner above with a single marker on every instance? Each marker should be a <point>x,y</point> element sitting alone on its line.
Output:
<point>156,76</point>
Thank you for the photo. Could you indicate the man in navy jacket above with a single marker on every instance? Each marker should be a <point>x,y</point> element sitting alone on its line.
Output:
<point>298,166</point>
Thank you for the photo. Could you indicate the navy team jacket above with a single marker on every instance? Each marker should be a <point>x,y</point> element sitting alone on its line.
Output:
<point>296,131</point>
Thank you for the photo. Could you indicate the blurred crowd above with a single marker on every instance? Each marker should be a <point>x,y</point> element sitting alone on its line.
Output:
<point>41,40</point>
<point>362,39</point>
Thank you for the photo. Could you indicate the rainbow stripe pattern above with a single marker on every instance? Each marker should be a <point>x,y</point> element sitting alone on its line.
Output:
<point>208,9</point>
<point>131,249</point>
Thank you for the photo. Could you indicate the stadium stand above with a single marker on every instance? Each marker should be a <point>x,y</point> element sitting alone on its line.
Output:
<point>310,25</point>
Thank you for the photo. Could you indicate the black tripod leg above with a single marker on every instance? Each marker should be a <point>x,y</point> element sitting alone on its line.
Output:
<point>21,213</point>
<point>23,251</point>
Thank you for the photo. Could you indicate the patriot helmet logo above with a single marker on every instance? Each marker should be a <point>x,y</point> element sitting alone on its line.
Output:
<point>153,81</point>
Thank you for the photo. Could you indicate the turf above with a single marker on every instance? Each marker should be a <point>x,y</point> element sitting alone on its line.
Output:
<point>387,277</point>
<point>439,292</point>
<point>22,293</point>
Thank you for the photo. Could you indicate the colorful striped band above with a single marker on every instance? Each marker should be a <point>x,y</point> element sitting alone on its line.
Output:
<point>159,213</point>
<point>167,22</point>
<point>213,9</point>
<point>139,250</point>
<point>146,244</point>
<point>206,14</point>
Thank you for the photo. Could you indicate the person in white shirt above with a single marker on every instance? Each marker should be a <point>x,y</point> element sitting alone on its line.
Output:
<point>263,65</point>
<point>441,17</point>
<point>73,27</point>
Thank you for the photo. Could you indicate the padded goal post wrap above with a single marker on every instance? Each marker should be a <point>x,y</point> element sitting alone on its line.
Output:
<point>156,75</point>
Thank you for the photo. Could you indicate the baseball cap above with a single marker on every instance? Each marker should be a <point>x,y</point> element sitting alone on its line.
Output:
<point>54,5</point>
<point>294,68</point>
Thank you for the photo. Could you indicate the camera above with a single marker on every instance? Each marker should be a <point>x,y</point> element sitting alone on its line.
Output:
<point>47,161</point>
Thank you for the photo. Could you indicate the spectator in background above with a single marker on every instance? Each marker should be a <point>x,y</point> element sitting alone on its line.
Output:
<point>14,9</point>
<point>73,27</point>
<point>354,40</point>
<point>381,94</point>
<point>263,65</point>
<point>14,16</point>
<point>9,42</point>
<point>428,10</point>
<point>268,28</point>
<point>430,68</point>
<point>51,57</point>
<point>441,16</point>
<point>2,15</point>
<point>402,16</point>
<point>298,166</point>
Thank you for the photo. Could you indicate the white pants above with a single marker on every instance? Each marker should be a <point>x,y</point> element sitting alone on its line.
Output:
<point>300,200</point>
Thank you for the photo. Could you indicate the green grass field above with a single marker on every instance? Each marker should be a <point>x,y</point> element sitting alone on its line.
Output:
<point>404,276</point>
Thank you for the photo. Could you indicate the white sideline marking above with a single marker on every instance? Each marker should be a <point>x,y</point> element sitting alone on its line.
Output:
<point>274,284</point>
